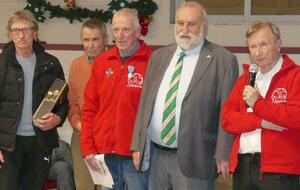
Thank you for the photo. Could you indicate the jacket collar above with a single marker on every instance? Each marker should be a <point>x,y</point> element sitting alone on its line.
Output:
<point>287,63</point>
<point>9,50</point>
<point>139,52</point>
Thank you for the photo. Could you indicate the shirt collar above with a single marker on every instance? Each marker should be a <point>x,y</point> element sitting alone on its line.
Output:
<point>131,51</point>
<point>90,60</point>
<point>273,71</point>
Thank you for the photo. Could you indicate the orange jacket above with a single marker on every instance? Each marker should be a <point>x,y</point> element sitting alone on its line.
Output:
<point>79,73</point>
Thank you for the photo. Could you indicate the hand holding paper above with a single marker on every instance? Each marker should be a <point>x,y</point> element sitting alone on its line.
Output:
<point>92,162</point>
<point>99,170</point>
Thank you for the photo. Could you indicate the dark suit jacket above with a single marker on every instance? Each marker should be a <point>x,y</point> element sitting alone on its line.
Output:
<point>201,139</point>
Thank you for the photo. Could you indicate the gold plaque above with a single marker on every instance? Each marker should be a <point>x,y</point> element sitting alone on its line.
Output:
<point>57,93</point>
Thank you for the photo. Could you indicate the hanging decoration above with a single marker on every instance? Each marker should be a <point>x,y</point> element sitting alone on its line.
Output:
<point>144,23</point>
<point>70,4</point>
<point>44,10</point>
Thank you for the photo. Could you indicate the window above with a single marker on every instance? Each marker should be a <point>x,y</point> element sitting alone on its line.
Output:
<point>240,11</point>
<point>223,7</point>
<point>279,7</point>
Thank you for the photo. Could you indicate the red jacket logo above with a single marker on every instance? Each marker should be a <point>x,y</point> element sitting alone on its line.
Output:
<point>279,95</point>
<point>135,81</point>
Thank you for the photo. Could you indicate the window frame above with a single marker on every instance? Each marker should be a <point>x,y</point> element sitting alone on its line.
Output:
<point>247,17</point>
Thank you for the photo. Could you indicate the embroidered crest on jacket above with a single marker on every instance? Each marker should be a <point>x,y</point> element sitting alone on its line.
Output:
<point>279,95</point>
<point>135,81</point>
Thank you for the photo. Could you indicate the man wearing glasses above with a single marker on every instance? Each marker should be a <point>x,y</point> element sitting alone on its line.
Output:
<point>26,73</point>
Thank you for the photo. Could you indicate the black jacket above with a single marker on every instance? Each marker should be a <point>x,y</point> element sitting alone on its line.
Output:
<point>47,68</point>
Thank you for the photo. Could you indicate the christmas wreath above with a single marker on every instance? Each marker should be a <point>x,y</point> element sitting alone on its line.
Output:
<point>39,8</point>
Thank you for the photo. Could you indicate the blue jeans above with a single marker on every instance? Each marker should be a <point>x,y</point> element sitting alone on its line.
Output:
<point>124,173</point>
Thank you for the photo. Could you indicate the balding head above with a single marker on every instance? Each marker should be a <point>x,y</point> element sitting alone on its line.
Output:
<point>130,14</point>
<point>192,5</point>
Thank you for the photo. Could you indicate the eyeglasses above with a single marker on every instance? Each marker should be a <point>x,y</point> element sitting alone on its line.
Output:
<point>17,31</point>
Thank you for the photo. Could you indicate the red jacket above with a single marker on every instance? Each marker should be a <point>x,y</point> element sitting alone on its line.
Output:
<point>111,100</point>
<point>280,151</point>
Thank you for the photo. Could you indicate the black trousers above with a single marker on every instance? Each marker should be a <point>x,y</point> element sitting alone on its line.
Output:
<point>26,168</point>
<point>248,177</point>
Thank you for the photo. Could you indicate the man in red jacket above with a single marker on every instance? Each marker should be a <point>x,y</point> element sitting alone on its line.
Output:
<point>111,99</point>
<point>265,152</point>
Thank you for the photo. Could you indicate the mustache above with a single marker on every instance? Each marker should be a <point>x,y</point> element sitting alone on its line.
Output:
<point>185,35</point>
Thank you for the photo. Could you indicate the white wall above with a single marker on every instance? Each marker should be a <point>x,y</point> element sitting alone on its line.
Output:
<point>60,31</point>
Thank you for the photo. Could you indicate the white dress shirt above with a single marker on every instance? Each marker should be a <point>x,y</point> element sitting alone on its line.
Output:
<point>251,142</point>
<point>189,64</point>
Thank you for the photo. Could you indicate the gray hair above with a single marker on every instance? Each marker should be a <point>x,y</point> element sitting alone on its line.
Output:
<point>129,12</point>
<point>94,23</point>
<point>193,4</point>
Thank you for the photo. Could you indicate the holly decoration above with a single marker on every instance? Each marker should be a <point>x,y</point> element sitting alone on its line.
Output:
<point>36,8</point>
<point>145,8</point>
<point>116,5</point>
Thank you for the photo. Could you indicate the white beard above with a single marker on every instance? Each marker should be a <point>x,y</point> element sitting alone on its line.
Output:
<point>188,40</point>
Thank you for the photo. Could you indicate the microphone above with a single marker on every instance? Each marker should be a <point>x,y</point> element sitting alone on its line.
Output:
<point>252,75</point>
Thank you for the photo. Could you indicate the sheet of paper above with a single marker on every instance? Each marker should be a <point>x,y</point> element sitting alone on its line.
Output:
<point>102,177</point>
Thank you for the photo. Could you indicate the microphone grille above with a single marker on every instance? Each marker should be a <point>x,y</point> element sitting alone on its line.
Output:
<point>253,68</point>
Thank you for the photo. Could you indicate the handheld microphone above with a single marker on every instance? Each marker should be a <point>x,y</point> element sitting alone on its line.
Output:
<point>252,75</point>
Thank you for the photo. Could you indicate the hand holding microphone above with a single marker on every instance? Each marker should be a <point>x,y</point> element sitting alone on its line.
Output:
<point>250,94</point>
<point>252,74</point>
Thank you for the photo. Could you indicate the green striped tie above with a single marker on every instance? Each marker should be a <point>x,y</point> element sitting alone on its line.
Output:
<point>168,133</point>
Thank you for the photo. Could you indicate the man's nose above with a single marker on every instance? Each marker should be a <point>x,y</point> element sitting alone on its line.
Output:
<point>185,28</point>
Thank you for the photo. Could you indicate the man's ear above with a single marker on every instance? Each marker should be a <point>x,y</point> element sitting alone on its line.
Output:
<point>138,32</point>
<point>278,44</point>
<point>205,28</point>
<point>35,35</point>
<point>9,36</point>
<point>105,40</point>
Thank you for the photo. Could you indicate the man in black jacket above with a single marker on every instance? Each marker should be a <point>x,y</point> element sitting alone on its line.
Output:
<point>26,73</point>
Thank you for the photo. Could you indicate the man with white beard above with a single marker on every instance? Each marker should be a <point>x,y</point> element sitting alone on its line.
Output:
<point>179,111</point>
